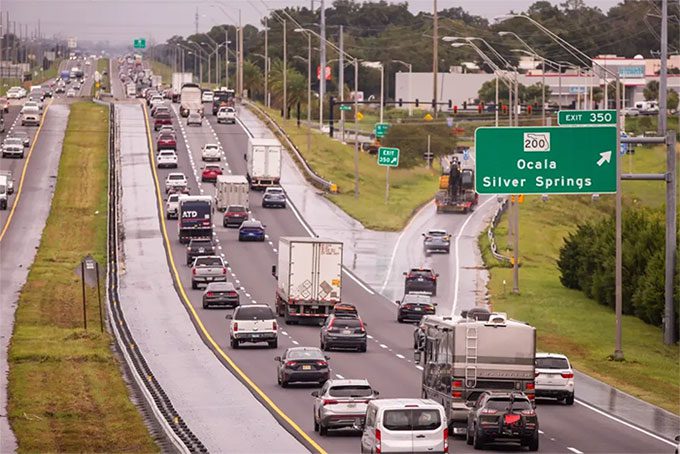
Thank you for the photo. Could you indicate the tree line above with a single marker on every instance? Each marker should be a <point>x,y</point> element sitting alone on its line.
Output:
<point>586,263</point>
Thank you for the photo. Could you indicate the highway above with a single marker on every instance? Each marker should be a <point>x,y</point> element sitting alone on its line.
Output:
<point>387,364</point>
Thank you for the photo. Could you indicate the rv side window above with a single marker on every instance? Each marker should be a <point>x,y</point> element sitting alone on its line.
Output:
<point>370,417</point>
<point>432,353</point>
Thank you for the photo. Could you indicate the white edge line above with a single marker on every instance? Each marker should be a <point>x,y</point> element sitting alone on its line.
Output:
<point>574,450</point>
<point>460,232</point>
<point>396,245</point>
<point>625,423</point>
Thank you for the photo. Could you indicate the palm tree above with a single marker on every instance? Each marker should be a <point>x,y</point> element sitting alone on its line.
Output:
<point>296,90</point>
<point>252,79</point>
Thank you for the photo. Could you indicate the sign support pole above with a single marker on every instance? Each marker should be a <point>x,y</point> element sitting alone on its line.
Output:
<point>515,266</point>
<point>387,183</point>
<point>82,276</point>
<point>618,293</point>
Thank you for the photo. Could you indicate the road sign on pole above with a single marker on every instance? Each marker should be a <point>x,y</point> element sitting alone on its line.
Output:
<point>345,107</point>
<point>388,157</point>
<point>139,43</point>
<point>381,129</point>
<point>586,117</point>
<point>545,160</point>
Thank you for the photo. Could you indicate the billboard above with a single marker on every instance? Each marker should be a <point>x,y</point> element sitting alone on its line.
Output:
<point>72,42</point>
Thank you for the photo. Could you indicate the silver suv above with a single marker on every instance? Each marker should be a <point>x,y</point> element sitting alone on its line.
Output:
<point>341,403</point>
<point>554,377</point>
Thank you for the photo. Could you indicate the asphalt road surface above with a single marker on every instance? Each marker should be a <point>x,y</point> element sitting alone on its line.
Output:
<point>387,364</point>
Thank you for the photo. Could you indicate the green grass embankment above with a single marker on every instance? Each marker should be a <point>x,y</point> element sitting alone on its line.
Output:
<point>41,77</point>
<point>566,320</point>
<point>66,392</point>
<point>334,161</point>
<point>162,70</point>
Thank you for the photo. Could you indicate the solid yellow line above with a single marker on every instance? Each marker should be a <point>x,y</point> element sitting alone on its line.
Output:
<point>195,315</point>
<point>23,173</point>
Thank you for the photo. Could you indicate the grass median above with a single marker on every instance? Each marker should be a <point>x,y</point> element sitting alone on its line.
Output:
<point>103,69</point>
<point>566,320</point>
<point>334,161</point>
<point>66,392</point>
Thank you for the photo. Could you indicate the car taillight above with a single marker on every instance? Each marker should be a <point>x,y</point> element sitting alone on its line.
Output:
<point>568,375</point>
<point>235,326</point>
<point>322,363</point>
<point>224,270</point>
<point>361,326</point>
<point>274,326</point>
<point>408,306</point>
<point>537,374</point>
<point>329,401</point>
<point>530,385</point>
<point>378,445</point>
<point>446,439</point>
<point>193,271</point>
<point>456,394</point>
<point>291,363</point>
<point>528,412</point>
<point>489,411</point>
<point>232,293</point>
<point>188,249</point>
<point>457,383</point>
<point>209,294</point>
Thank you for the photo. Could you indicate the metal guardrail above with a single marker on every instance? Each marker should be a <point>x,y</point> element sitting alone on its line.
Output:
<point>490,232</point>
<point>166,417</point>
<point>316,179</point>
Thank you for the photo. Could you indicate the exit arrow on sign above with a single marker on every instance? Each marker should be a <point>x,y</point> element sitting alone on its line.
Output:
<point>605,156</point>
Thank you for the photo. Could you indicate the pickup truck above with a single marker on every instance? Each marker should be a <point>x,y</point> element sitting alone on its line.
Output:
<point>10,180</point>
<point>199,247</point>
<point>208,269</point>
<point>175,180</point>
<point>172,206</point>
<point>253,323</point>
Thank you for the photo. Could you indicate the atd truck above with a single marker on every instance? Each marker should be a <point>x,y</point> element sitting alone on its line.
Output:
<point>222,98</point>
<point>195,217</point>
<point>461,357</point>
<point>190,100</point>
<point>456,189</point>
<point>309,278</point>
<point>263,161</point>
<point>231,190</point>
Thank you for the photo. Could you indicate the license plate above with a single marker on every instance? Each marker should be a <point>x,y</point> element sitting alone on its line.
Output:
<point>200,249</point>
<point>314,307</point>
<point>420,279</point>
<point>346,332</point>
<point>256,335</point>
<point>417,309</point>
<point>208,279</point>
<point>351,405</point>
<point>306,367</point>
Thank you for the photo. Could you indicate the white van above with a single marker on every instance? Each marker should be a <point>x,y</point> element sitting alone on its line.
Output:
<point>405,425</point>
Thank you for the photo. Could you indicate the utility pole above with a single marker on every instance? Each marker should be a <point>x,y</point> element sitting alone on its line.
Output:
<point>240,55</point>
<point>341,82</point>
<point>226,57</point>
<point>322,62</point>
<point>285,73</point>
<point>266,61</point>
<point>663,80</point>
<point>435,54</point>
<point>196,21</point>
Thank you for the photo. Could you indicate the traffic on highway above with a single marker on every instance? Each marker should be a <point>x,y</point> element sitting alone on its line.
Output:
<point>248,306</point>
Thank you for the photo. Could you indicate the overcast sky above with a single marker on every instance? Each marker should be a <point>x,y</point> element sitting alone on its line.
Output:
<point>119,21</point>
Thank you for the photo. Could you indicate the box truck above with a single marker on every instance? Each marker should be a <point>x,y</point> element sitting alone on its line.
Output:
<point>263,160</point>
<point>190,100</point>
<point>309,278</point>
<point>178,80</point>
<point>231,190</point>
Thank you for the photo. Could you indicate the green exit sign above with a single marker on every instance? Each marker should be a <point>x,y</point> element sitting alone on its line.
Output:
<point>388,157</point>
<point>345,107</point>
<point>586,117</point>
<point>139,43</point>
<point>546,160</point>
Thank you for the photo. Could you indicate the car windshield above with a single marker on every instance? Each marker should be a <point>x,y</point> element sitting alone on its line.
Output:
<point>208,261</point>
<point>304,354</point>
<point>503,404</point>
<point>254,313</point>
<point>166,137</point>
<point>416,299</point>
<point>201,243</point>
<point>173,198</point>
<point>175,177</point>
<point>411,419</point>
<point>220,286</point>
<point>251,225</point>
<point>3,189</point>
<point>163,114</point>
<point>421,273</point>
<point>552,363</point>
<point>13,141</point>
<point>350,391</point>
<point>275,191</point>
<point>236,209</point>
<point>436,233</point>
<point>212,168</point>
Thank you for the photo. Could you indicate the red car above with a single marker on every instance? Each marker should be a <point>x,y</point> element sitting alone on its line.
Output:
<point>235,215</point>
<point>160,119</point>
<point>166,141</point>
<point>210,173</point>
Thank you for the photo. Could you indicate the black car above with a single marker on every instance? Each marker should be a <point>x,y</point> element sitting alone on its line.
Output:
<point>198,247</point>
<point>413,307</point>
<point>502,417</point>
<point>436,240</point>
<point>302,364</point>
<point>343,332</point>
<point>222,294</point>
<point>420,280</point>
<point>274,197</point>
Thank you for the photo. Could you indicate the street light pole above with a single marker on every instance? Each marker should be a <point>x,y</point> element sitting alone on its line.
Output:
<point>341,82</point>
<point>309,93</point>
<point>322,62</point>
<point>356,128</point>
<point>663,79</point>
<point>285,73</point>
<point>266,62</point>
<point>543,91</point>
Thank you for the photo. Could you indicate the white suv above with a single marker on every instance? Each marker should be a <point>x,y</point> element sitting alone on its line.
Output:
<point>166,158</point>
<point>172,206</point>
<point>211,152</point>
<point>341,403</point>
<point>226,115</point>
<point>175,181</point>
<point>253,323</point>
<point>554,377</point>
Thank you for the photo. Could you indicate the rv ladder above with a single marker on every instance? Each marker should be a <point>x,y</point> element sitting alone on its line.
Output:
<point>471,355</point>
